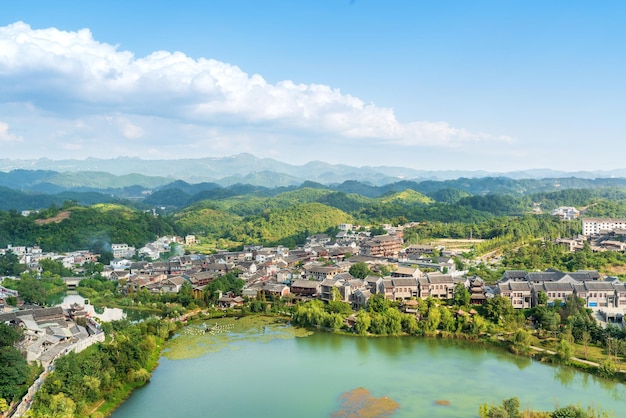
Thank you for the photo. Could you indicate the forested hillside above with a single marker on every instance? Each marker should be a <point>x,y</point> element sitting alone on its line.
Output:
<point>243,214</point>
<point>78,227</point>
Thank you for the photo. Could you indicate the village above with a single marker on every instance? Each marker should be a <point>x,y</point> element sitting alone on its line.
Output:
<point>353,267</point>
<point>400,273</point>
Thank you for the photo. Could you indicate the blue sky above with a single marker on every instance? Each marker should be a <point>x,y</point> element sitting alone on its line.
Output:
<point>484,85</point>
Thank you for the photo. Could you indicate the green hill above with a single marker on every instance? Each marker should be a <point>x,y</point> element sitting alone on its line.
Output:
<point>407,197</point>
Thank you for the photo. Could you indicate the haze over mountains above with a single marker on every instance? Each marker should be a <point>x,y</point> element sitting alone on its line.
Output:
<point>267,172</point>
<point>35,184</point>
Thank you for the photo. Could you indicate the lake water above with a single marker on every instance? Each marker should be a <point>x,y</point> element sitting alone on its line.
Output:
<point>248,368</point>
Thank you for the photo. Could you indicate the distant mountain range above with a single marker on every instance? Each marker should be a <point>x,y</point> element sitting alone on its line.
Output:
<point>247,169</point>
<point>31,184</point>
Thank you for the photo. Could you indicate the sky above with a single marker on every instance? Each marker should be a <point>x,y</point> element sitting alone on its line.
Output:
<point>437,85</point>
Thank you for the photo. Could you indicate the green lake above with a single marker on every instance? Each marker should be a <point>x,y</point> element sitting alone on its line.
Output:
<point>254,368</point>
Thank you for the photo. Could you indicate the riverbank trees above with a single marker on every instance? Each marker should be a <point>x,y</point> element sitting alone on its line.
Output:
<point>105,371</point>
<point>14,371</point>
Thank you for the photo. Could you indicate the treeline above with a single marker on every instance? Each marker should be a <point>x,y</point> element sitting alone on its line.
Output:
<point>288,226</point>
<point>546,254</point>
<point>14,371</point>
<point>517,227</point>
<point>76,227</point>
<point>510,408</point>
<point>383,317</point>
<point>104,371</point>
<point>288,217</point>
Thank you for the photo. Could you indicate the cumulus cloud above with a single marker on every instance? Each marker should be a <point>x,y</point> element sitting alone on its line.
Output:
<point>5,135</point>
<point>55,70</point>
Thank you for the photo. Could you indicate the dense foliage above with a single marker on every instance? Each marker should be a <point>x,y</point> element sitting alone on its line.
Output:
<point>103,370</point>
<point>10,264</point>
<point>14,371</point>
<point>510,408</point>
<point>545,254</point>
<point>34,290</point>
<point>78,227</point>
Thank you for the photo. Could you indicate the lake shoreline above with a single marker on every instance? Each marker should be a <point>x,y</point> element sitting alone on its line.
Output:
<point>479,354</point>
<point>487,342</point>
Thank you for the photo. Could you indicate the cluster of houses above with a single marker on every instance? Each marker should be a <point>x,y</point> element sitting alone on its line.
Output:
<point>51,332</point>
<point>321,269</point>
<point>311,271</point>
<point>30,256</point>
<point>523,288</point>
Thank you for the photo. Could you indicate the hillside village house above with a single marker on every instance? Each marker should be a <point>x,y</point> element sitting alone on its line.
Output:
<point>566,213</point>
<point>321,273</point>
<point>122,251</point>
<point>382,246</point>
<point>310,288</point>
<point>413,272</point>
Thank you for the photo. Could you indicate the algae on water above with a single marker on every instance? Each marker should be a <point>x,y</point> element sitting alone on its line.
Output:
<point>228,333</point>
<point>360,403</point>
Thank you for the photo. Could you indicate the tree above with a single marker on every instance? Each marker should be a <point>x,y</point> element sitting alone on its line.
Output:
<point>62,406</point>
<point>360,270</point>
<point>447,320</point>
<point>521,342</point>
<point>512,407</point>
<point>393,320</point>
<point>32,290</point>
<point>378,303</point>
<point>51,268</point>
<point>8,335</point>
<point>462,296</point>
<point>10,264</point>
<point>13,372</point>
<point>498,309</point>
<point>585,339</point>
<point>433,319</point>
<point>551,321</point>
<point>478,325</point>
<point>4,405</point>
<point>378,324</point>
<point>409,324</point>
<point>363,322</point>
<point>564,350</point>
<point>569,411</point>
<point>608,368</point>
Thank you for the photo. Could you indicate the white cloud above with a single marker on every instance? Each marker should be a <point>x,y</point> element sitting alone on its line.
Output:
<point>5,135</point>
<point>128,129</point>
<point>74,76</point>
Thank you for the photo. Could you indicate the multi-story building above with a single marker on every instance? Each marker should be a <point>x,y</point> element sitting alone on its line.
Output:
<point>382,246</point>
<point>597,226</point>
<point>566,213</point>
<point>436,285</point>
<point>322,273</point>
<point>518,292</point>
<point>122,250</point>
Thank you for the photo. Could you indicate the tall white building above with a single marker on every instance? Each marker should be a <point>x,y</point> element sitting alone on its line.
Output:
<point>596,226</point>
